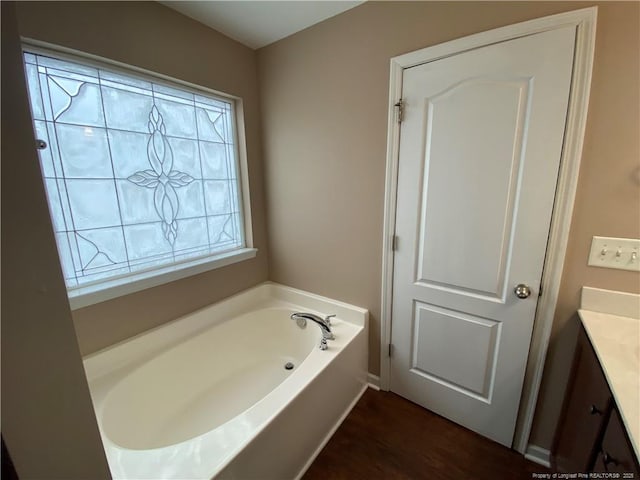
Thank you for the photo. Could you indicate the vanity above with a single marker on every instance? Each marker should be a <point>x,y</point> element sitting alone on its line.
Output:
<point>599,428</point>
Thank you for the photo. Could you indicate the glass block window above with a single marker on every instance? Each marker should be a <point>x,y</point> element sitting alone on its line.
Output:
<point>139,174</point>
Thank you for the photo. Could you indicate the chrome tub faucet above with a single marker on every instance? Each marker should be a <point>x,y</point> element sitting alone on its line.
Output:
<point>324,324</point>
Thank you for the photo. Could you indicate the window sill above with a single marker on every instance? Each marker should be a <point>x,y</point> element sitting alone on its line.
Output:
<point>92,294</point>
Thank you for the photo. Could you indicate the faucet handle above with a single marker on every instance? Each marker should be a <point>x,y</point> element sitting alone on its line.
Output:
<point>328,318</point>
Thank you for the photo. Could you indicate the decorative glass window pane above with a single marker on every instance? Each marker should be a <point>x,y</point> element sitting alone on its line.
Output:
<point>138,175</point>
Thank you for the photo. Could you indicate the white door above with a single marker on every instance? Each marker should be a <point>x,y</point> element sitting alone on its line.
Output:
<point>480,146</point>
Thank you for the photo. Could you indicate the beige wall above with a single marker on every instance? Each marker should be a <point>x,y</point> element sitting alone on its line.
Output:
<point>48,422</point>
<point>151,36</point>
<point>324,94</point>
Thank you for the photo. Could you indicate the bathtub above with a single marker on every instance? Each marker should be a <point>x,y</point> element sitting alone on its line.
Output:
<point>236,390</point>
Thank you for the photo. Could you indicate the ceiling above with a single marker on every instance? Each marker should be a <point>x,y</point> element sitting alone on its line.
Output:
<point>259,23</point>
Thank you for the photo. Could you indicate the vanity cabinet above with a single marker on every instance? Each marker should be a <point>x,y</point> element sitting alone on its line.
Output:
<point>615,454</point>
<point>590,436</point>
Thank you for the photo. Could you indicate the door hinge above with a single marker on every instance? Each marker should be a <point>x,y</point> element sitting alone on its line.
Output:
<point>394,243</point>
<point>390,349</point>
<point>400,110</point>
<point>540,291</point>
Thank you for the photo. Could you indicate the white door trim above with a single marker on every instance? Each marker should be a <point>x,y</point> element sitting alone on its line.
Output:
<point>585,22</point>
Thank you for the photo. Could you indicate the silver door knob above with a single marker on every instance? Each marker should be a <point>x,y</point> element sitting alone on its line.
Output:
<point>522,291</point>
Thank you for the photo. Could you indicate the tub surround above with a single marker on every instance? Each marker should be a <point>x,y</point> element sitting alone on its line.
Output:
<point>147,389</point>
<point>615,338</point>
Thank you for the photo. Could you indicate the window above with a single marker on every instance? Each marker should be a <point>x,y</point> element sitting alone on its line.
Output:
<point>141,175</point>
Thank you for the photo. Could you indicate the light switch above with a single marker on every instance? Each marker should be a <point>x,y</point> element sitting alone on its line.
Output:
<point>621,253</point>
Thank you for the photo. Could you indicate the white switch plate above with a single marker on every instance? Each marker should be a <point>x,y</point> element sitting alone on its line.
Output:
<point>621,253</point>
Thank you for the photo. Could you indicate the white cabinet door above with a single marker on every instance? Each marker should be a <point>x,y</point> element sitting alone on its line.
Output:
<point>480,147</point>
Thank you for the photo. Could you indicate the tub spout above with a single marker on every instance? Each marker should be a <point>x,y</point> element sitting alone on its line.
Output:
<point>327,334</point>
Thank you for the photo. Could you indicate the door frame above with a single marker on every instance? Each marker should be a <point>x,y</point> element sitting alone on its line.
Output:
<point>585,22</point>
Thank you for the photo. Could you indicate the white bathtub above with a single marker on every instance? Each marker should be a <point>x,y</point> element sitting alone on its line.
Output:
<point>208,395</point>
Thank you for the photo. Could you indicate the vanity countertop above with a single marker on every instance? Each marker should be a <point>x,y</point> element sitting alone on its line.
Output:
<point>616,341</point>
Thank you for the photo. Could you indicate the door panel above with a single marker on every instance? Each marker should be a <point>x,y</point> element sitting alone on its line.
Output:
<point>455,349</point>
<point>480,147</point>
<point>457,129</point>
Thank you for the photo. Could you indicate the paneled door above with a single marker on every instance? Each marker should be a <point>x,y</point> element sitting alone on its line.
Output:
<point>479,152</point>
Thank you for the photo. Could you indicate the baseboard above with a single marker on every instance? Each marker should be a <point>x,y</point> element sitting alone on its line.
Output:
<point>331,432</point>
<point>539,455</point>
<point>374,381</point>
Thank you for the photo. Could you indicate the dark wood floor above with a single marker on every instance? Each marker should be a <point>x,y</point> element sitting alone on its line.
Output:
<point>388,437</point>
